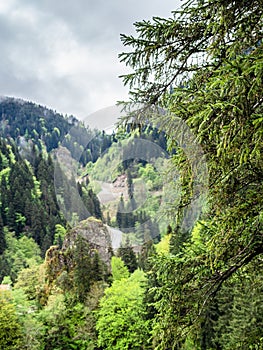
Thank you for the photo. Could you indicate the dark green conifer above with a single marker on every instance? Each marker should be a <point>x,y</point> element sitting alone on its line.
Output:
<point>126,253</point>
<point>83,268</point>
<point>120,213</point>
<point>2,237</point>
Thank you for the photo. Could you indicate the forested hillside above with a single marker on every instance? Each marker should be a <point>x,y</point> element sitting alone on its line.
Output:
<point>28,200</point>
<point>30,124</point>
<point>47,264</point>
<point>180,179</point>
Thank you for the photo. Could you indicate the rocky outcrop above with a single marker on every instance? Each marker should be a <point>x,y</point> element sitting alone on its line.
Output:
<point>97,236</point>
<point>98,239</point>
<point>120,181</point>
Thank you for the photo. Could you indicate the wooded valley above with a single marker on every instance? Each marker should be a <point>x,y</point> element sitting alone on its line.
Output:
<point>186,270</point>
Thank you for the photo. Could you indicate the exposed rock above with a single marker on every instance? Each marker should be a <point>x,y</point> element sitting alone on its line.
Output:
<point>120,181</point>
<point>98,239</point>
<point>116,237</point>
<point>65,160</point>
<point>97,236</point>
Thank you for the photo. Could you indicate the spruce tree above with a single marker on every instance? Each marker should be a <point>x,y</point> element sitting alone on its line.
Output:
<point>2,237</point>
<point>126,253</point>
<point>97,267</point>
<point>130,185</point>
<point>82,269</point>
<point>204,66</point>
<point>120,213</point>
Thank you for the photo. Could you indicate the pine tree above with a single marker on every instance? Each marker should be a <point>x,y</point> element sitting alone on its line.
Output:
<point>130,185</point>
<point>97,267</point>
<point>2,237</point>
<point>148,250</point>
<point>4,200</point>
<point>126,253</point>
<point>108,219</point>
<point>120,213</point>
<point>96,203</point>
<point>82,269</point>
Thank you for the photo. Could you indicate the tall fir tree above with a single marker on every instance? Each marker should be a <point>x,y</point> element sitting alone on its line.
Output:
<point>126,253</point>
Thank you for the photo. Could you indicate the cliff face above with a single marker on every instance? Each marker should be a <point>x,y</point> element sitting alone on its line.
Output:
<point>97,236</point>
<point>66,259</point>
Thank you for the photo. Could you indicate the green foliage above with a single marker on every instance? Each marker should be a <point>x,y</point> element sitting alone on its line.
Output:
<point>163,247</point>
<point>106,167</point>
<point>203,288</point>
<point>32,122</point>
<point>7,280</point>
<point>139,221</point>
<point>120,216</point>
<point>10,329</point>
<point>91,202</point>
<point>77,200</point>
<point>205,66</point>
<point>120,323</point>
<point>240,320</point>
<point>60,233</point>
<point>28,203</point>
<point>27,316</point>
<point>2,237</point>
<point>74,269</point>
<point>151,176</point>
<point>61,325</point>
<point>20,253</point>
<point>88,268</point>
<point>117,159</point>
<point>127,255</point>
<point>51,315</point>
<point>31,280</point>
<point>118,269</point>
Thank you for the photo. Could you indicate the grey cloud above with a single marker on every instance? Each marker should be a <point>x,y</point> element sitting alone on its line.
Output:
<point>63,53</point>
<point>100,20</point>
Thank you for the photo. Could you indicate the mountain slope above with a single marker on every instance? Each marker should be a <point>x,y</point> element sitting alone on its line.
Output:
<point>30,124</point>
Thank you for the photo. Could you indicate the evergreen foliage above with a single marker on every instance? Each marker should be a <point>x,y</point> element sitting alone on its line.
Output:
<point>204,65</point>
<point>127,255</point>
<point>28,201</point>
<point>34,127</point>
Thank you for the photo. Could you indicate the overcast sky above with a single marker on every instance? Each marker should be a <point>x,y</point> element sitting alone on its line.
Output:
<point>64,53</point>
